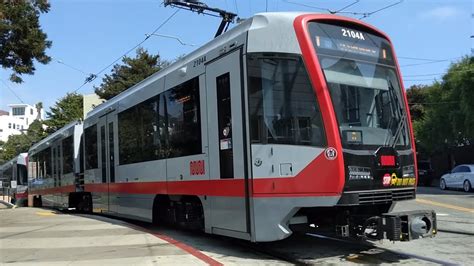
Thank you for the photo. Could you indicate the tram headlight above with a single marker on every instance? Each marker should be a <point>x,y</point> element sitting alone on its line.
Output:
<point>408,171</point>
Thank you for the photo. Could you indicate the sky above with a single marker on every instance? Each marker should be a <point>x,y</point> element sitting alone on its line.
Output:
<point>88,35</point>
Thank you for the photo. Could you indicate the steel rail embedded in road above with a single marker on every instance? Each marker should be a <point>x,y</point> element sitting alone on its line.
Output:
<point>368,244</point>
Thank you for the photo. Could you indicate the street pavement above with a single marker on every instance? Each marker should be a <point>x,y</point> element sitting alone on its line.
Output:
<point>45,237</point>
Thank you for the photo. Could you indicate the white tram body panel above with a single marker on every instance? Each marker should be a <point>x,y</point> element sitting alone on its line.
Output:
<point>54,166</point>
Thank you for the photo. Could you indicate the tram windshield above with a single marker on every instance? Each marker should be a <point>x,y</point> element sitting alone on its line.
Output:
<point>364,87</point>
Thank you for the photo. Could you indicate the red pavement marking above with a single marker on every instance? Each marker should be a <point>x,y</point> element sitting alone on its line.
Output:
<point>196,253</point>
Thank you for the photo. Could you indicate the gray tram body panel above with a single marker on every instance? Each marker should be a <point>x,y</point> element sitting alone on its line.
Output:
<point>261,218</point>
<point>54,140</point>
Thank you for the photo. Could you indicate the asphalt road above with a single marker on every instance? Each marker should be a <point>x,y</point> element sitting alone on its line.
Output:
<point>40,236</point>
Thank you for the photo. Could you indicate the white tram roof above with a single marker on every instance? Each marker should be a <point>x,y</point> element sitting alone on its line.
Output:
<point>267,32</point>
<point>64,132</point>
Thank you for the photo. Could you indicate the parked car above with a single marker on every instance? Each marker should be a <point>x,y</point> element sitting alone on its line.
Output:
<point>462,176</point>
<point>425,173</point>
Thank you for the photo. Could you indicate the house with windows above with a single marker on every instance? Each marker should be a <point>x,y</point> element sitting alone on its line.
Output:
<point>18,119</point>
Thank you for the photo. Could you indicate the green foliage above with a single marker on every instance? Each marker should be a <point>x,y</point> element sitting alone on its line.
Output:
<point>36,131</point>
<point>67,109</point>
<point>416,97</point>
<point>447,111</point>
<point>21,38</point>
<point>125,76</point>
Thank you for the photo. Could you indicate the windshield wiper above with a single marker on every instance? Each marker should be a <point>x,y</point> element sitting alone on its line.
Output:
<point>401,125</point>
<point>402,113</point>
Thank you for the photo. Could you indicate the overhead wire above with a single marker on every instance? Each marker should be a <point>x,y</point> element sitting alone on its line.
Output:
<point>236,7</point>
<point>419,79</point>
<point>380,9</point>
<point>347,6</point>
<point>11,90</point>
<point>416,58</point>
<point>71,67</point>
<point>95,75</point>
<point>340,11</point>
<point>431,62</point>
<point>309,6</point>
<point>436,74</point>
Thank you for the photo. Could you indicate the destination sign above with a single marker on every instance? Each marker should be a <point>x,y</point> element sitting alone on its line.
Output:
<point>343,41</point>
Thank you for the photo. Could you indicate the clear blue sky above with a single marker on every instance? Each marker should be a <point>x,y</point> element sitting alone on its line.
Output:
<point>90,34</point>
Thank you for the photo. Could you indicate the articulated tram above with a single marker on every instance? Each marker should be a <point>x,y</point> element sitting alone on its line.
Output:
<point>14,179</point>
<point>287,120</point>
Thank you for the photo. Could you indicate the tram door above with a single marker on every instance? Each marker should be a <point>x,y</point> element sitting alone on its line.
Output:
<point>107,128</point>
<point>229,208</point>
<point>56,169</point>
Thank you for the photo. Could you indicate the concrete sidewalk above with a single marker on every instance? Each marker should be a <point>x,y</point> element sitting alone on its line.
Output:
<point>45,237</point>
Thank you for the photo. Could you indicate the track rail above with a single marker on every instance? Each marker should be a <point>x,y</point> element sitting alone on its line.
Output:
<point>404,255</point>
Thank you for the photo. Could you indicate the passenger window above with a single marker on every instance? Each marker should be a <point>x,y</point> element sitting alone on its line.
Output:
<point>68,154</point>
<point>165,126</point>
<point>184,119</point>
<point>90,135</point>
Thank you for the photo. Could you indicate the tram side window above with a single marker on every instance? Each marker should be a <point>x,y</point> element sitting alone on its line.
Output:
<point>184,119</point>
<point>44,168</point>
<point>282,102</point>
<point>167,125</point>
<point>68,154</point>
<point>7,176</point>
<point>140,132</point>
<point>90,135</point>
<point>129,146</point>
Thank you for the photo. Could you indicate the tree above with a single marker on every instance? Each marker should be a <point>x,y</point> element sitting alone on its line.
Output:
<point>125,76</point>
<point>39,107</point>
<point>416,97</point>
<point>21,38</point>
<point>66,110</point>
<point>36,131</point>
<point>15,145</point>
<point>459,83</point>
<point>448,109</point>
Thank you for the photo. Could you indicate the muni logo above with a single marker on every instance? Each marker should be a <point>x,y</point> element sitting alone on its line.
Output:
<point>330,153</point>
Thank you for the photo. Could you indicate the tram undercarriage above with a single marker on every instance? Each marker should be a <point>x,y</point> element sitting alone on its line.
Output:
<point>370,222</point>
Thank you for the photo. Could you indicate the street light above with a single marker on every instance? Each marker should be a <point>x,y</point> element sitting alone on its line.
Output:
<point>169,36</point>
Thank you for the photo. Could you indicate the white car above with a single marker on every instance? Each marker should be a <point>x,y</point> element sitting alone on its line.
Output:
<point>462,176</point>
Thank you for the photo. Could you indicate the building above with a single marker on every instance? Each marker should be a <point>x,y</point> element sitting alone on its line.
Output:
<point>90,101</point>
<point>18,119</point>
